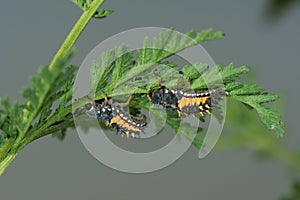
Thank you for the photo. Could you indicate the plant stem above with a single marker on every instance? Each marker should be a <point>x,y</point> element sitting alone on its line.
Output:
<point>4,163</point>
<point>65,48</point>
<point>75,32</point>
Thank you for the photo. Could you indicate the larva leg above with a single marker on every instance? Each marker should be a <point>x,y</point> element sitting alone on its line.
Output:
<point>127,102</point>
<point>187,84</point>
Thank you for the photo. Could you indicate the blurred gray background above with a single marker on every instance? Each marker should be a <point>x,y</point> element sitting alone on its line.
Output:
<point>32,31</point>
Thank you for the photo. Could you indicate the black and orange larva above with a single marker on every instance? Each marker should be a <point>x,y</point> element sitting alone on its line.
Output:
<point>186,102</point>
<point>113,115</point>
<point>198,102</point>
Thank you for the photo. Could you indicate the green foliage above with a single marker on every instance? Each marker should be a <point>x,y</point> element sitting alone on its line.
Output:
<point>251,95</point>
<point>255,97</point>
<point>243,130</point>
<point>27,121</point>
<point>129,76</point>
<point>123,68</point>
<point>85,4</point>
<point>169,43</point>
<point>294,193</point>
<point>47,109</point>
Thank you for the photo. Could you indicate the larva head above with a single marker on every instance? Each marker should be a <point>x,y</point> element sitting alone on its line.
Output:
<point>92,110</point>
<point>164,97</point>
<point>156,96</point>
<point>101,111</point>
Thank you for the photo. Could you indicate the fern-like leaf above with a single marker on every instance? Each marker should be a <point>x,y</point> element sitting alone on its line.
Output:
<point>123,68</point>
<point>128,76</point>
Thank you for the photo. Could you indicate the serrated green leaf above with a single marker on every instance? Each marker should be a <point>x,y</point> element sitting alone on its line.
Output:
<point>102,13</point>
<point>123,62</point>
<point>125,69</point>
<point>261,98</point>
<point>5,147</point>
<point>233,86</point>
<point>85,4</point>
<point>270,118</point>
<point>47,86</point>
<point>3,117</point>
<point>194,71</point>
<point>168,43</point>
<point>5,104</point>
<point>231,73</point>
<point>211,78</point>
<point>247,90</point>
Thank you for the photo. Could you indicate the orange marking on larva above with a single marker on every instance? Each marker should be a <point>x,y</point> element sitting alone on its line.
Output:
<point>130,127</point>
<point>201,100</point>
<point>182,102</point>
<point>118,120</point>
<point>191,101</point>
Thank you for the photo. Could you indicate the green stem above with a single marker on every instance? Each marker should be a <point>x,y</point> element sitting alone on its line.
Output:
<point>4,163</point>
<point>65,48</point>
<point>75,32</point>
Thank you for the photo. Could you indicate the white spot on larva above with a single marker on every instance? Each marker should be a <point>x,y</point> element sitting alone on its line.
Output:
<point>121,115</point>
<point>180,92</point>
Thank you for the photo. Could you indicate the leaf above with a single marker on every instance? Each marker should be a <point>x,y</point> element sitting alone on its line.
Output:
<point>168,43</point>
<point>194,71</point>
<point>123,62</point>
<point>7,128</point>
<point>129,77</point>
<point>119,64</point>
<point>85,4</point>
<point>5,146</point>
<point>102,13</point>
<point>216,76</point>
<point>100,75</point>
<point>60,135</point>
<point>271,119</point>
<point>251,95</point>
<point>231,73</point>
<point>26,120</point>
<point>247,90</point>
